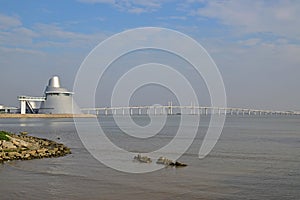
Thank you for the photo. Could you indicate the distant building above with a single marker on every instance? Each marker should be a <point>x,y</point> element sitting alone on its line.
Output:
<point>7,109</point>
<point>56,100</point>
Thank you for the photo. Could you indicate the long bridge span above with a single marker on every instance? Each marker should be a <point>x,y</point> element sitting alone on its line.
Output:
<point>178,110</point>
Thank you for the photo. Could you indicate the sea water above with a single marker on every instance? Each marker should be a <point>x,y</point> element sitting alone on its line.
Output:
<point>256,157</point>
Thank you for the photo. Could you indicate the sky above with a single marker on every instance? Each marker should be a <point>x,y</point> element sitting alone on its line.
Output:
<point>255,44</point>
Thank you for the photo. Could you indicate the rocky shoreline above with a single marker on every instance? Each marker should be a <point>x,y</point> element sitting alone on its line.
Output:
<point>23,147</point>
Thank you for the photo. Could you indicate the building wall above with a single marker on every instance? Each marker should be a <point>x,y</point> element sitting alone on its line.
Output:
<point>59,104</point>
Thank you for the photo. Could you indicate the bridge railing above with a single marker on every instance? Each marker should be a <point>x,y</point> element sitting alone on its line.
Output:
<point>189,109</point>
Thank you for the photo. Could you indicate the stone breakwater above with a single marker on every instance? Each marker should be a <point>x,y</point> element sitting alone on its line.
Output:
<point>23,147</point>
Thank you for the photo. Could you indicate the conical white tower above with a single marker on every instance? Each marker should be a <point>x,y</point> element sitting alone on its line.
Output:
<point>58,100</point>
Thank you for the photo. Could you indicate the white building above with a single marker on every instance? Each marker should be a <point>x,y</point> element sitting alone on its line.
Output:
<point>8,109</point>
<point>56,100</point>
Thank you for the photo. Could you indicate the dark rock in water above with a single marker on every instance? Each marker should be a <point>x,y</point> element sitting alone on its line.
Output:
<point>178,164</point>
<point>168,162</point>
<point>164,161</point>
<point>143,159</point>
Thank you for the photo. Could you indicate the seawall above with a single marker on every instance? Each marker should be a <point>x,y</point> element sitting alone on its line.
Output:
<point>47,116</point>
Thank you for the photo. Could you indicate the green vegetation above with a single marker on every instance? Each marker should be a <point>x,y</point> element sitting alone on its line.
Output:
<point>3,135</point>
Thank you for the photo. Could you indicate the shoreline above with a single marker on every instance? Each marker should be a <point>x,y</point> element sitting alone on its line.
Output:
<point>23,147</point>
<point>47,116</point>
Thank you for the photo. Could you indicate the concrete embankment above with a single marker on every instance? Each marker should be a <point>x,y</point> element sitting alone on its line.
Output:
<point>23,147</point>
<point>47,116</point>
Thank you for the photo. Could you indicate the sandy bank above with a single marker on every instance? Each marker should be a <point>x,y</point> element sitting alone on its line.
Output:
<point>47,116</point>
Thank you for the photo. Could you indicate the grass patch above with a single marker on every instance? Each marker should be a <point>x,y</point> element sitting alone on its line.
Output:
<point>3,135</point>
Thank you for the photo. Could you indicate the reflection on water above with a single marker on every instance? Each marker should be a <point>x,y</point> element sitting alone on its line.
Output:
<point>255,158</point>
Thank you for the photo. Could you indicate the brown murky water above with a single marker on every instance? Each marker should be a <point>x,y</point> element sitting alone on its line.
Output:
<point>257,157</point>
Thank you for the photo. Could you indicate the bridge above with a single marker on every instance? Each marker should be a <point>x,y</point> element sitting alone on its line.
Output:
<point>190,109</point>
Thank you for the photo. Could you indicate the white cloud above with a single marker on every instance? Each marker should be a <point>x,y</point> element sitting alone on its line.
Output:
<point>97,1</point>
<point>7,22</point>
<point>14,35</point>
<point>131,6</point>
<point>5,50</point>
<point>173,17</point>
<point>18,36</point>
<point>137,10</point>
<point>250,42</point>
<point>277,17</point>
<point>54,31</point>
<point>58,37</point>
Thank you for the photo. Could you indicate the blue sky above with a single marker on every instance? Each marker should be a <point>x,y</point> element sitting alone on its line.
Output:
<point>256,44</point>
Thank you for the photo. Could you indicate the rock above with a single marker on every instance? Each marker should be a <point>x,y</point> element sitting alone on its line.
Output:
<point>143,159</point>
<point>52,152</point>
<point>12,154</point>
<point>32,153</point>
<point>178,164</point>
<point>33,146</point>
<point>24,144</point>
<point>42,155</point>
<point>24,133</point>
<point>168,162</point>
<point>15,155</point>
<point>8,145</point>
<point>15,142</point>
<point>164,161</point>
<point>26,156</point>
<point>46,143</point>
<point>41,151</point>
<point>28,147</point>
<point>24,152</point>
<point>67,150</point>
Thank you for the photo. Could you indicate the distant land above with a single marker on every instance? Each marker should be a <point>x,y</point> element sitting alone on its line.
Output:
<point>47,116</point>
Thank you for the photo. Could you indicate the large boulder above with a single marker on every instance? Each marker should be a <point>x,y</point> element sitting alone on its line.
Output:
<point>8,145</point>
